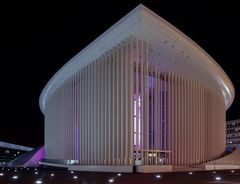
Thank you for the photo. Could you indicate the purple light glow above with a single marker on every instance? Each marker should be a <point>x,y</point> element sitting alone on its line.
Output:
<point>36,158</point>
<point>137,107</point>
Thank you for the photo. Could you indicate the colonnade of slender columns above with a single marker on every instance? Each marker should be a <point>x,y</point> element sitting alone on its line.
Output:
<point>196,117</point>
<point>90,117</point>
<point>119,110</point>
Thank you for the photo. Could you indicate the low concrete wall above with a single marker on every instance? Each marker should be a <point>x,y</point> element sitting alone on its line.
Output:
<point>153,168</point>
<point>97,168</point>
<point>53,164</point>
<point>221,167</point>
<point>122,169</point>
<point>231,161</point>
<point>103,168</point>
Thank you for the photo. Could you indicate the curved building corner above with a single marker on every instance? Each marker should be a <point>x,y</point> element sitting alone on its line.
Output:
<point>142,94</point>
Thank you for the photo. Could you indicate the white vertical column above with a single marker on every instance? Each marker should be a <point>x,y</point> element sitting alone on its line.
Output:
<point>175,121</point>
<point>94,114</point>
<point>100,112</point>
<point>131,102</point>
<point>172,120</point>
<point>199,123</point>
<point>195,121</point>
<point>114,108</point>
<point>129,125</point>
<point>182,119</point>
<point>83,115</point>
<point>147,102</point>
<point>98,89</point>
<point>122,102</point>
<point>77,114</point>
<point>152,102</point>
<point>69,122</point>
<point>142,99</point>
<point>88,114</point>
<point>160,112</point>
<point>188,122</point>
<point>155,110</point>
<point>110,102</point>
<point>165,110</point>
<point>126,106</point>
<point>117,106</point>
<point>169,116</point>
<point>72,116</point>
<point>81,118</point>
<point>136,96</point>
<point>203,125</point>
<point>106,84</point>
<point>185,122</point>
<point>75,117</point>
<point>90,91</point>
<point>96,157</point>
<point>103,108</point>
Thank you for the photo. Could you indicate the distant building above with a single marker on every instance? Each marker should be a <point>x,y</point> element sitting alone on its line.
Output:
<point>141,94</point>
<point>9,152</point>
<point>233,132</point>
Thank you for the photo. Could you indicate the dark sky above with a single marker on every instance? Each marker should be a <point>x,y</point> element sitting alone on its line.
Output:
<point>37,39</point>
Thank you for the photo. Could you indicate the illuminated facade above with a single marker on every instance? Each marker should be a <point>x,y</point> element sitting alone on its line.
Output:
<point>233,132</point>
<point>142,94</point>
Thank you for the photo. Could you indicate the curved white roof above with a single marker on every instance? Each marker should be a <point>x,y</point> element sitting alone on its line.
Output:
<point>170,50</point>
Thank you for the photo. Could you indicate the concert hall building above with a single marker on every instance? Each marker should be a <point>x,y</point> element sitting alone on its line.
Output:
<point>142,95</point>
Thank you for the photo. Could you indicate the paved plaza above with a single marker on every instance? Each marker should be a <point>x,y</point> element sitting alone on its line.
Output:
<point>62,176</point>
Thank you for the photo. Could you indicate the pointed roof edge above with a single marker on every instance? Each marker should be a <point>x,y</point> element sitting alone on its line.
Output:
<point>81,59</point>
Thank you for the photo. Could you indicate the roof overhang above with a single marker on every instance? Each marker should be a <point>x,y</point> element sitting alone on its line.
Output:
<point>171,50</point>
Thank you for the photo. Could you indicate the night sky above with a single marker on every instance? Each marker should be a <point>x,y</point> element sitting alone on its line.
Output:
<point>38,39</point>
